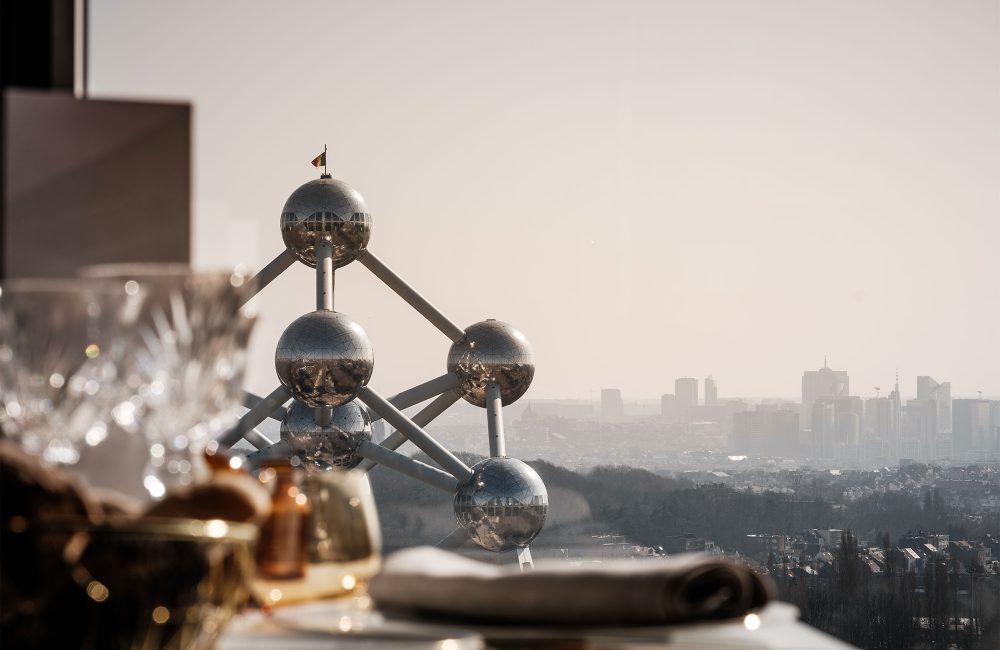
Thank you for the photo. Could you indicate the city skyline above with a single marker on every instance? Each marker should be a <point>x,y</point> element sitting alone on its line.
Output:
<point>910,388</point>
<point>826,425</point>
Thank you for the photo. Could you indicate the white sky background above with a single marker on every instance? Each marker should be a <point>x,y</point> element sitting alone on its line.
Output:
<point>647,190</point>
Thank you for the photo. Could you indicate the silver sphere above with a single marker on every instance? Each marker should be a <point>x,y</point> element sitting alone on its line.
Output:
<point>328,209</point>
<point>492,351</point>
<point>324,358</point>
<point>503,505</point>
<point>333,445</point>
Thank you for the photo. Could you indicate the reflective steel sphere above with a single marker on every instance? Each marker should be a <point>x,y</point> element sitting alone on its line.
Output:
<point>503,505</point>
<point>324,358</point>
<point>492,351</point>
<point>333,445</point>
<point>328,209</point>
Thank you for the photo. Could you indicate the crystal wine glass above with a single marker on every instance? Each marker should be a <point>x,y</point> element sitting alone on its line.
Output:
<point>55,366</point>
<point>181,363</point>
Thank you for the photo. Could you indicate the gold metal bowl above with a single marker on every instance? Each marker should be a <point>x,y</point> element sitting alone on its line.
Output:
<point>168,583</point>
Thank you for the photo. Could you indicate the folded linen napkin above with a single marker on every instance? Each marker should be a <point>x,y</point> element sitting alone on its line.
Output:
<point>682,588</point>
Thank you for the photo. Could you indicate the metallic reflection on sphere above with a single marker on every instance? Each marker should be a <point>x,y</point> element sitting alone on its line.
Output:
<point>333,445</point>
<point>328,209</point>
<point>324,358</point>
<point>492,351</point>
<point>503,505</point>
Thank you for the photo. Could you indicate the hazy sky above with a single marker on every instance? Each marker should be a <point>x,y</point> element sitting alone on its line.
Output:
<point>646,189</point>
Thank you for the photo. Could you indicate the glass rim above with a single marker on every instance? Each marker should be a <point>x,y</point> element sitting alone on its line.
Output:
<point>71,285</point>
<point>147,270</point>
<point>180,528</point>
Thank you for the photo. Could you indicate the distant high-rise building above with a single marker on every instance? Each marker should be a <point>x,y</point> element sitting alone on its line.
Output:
<point>848,413</point>
<point>711,391</point>
<point>612,407</point>
<point>896,408</point>
<point>686,394</point>
<point>934,400</point>
<point>919,433</point>
<point>975,429</point>
<point>882,420</point>
<point>877,417</point>
<point>668,407</point>
<point>824,428</point>
<point>924,423</point>
<point>822,384</point>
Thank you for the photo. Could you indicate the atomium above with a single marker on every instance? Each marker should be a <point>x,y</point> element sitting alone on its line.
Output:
<point>330,210</point>
<point>324,361</point>
<point>503,505</point>
<point>324,358</point>
<point>331,445</point>
<point>492,351</point>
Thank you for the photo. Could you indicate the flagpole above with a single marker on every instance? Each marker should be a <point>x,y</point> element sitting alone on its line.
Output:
<point>325,172</point>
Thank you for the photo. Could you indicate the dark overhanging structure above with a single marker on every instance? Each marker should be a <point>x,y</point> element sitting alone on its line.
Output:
<point>76,171</point>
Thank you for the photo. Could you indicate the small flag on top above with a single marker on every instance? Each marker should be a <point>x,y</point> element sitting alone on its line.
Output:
<point>320,160</point>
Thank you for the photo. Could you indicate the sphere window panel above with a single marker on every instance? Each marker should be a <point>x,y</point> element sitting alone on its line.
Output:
<point>324,359</point>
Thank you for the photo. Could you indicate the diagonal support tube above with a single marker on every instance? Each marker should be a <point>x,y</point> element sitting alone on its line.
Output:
<point>425,391</point>
<point>410,295</point>
<point>421,419</point>
<point>280,449</point>
<point>447,460</point>
<point>494,420</point>
<point>257,439</point>
<point>255,416</point>
<point>266,275</point>
<point>250,400</point>
<point>408,466</point>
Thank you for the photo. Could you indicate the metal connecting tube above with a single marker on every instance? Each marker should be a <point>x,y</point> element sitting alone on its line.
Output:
<point>494,420</point>
<point>425,391</point>
<point>324,275</point>
<point>408,466</point>
<point>257,439</point>
<point>255,416</point>
<point>280,449</point>
<point>250,400</point>
<point>323,416</point>
<point>447,460</point>
<point>421,419</point>
<point>324,301</point>
<point>266,275</point>
<point>410,295</point>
